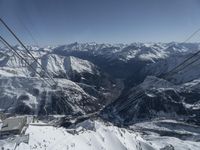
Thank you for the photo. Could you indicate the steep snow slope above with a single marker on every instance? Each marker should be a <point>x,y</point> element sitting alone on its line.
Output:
<point>135,61</point>
<point>17,79</point>
<point>31,96</point>
<point>188,72</point>
<point>56,65</point>
<point>132,62</point>
<point>119,60</point>
<point>91,135</point>
<point>169,134</point>
<point>72,68</point>
<point>86,88</point>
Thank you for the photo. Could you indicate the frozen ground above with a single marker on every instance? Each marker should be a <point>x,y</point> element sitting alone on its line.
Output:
<point>96,135</point>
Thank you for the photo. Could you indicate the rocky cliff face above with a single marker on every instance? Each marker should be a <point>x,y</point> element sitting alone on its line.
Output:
<point>156,98</point>
<point>82,87</point>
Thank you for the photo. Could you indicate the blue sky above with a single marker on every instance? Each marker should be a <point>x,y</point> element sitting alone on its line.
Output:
<point>52,22</point>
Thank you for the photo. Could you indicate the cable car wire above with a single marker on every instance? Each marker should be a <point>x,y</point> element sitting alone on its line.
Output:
<point>31,55</point>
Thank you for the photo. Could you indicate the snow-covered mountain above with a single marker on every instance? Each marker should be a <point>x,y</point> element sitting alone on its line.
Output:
<point>137,60</point>
<point>126,52</point>
<point>31,96</point>
<point>82,86</point>
<point>124,83</point>
<point>99,69</point>
<point>97,135</point>
<point>157,98</point>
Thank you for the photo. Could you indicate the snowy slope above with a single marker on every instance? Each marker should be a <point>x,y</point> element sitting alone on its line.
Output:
<point>124,60</point>
<point>126,52</point>
<point>97,135</point>
<point>87,75</point>
<point>56,65</point>
<point>156,98</point>
<point>22,91</point>
<point>120,60</point>
<point>31,96</point>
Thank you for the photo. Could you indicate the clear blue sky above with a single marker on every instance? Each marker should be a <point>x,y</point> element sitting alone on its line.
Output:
<point>53,22</point>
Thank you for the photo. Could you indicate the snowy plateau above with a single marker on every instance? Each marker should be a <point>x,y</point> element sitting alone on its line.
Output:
<point>90,96</point>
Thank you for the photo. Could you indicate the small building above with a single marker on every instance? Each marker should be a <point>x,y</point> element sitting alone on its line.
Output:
<point>13,125</point>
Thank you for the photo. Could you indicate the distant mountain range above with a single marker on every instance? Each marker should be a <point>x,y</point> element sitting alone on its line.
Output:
<point>92,77</point>
<point>112,96</point>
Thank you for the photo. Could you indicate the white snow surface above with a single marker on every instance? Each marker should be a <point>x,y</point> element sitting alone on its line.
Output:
<point>57,65</point>
<point>96,135</point>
